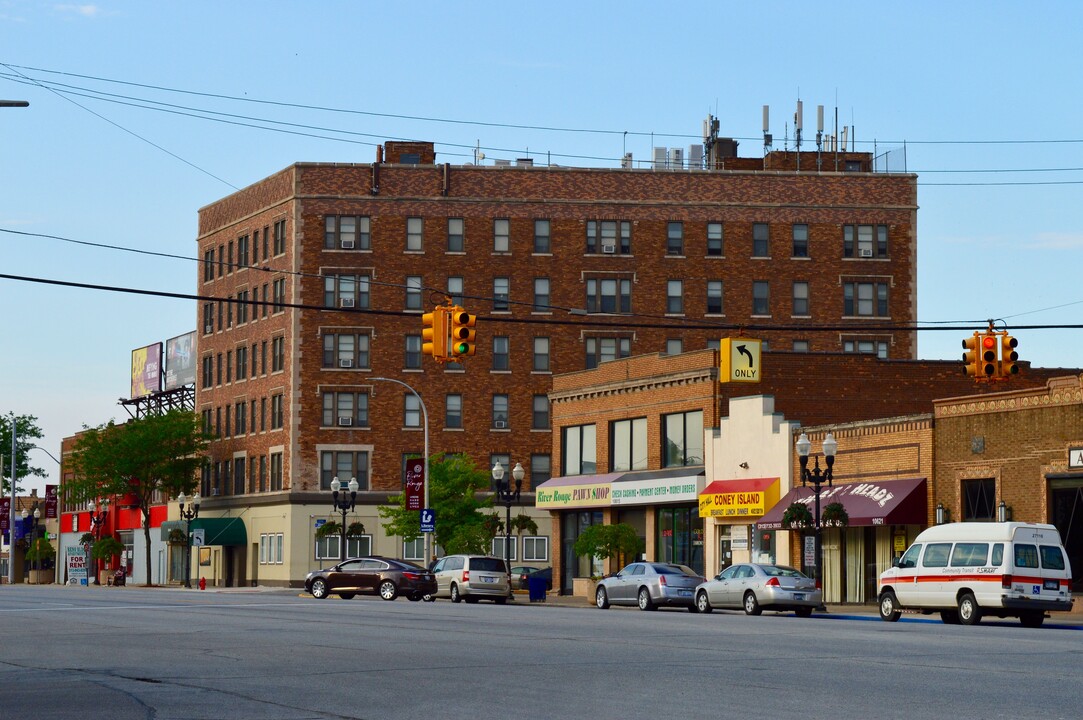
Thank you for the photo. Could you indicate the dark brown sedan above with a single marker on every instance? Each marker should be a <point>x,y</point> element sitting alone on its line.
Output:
<point>381,576</point>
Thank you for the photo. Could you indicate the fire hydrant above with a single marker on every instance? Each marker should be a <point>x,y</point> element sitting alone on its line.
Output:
<point>203,583</point>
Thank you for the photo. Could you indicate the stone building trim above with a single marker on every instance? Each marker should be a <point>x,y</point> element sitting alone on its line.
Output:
<point>693,377</point>
<point>1057,392</point>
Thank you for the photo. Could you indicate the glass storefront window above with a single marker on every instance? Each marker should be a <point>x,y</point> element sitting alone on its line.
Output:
<point>680,537</point>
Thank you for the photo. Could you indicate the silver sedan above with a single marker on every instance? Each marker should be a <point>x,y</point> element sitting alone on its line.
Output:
<point>756,587</point>
<point>648,585</point>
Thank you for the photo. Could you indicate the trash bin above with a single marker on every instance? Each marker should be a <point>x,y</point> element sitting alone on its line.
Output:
<point>536,586</point>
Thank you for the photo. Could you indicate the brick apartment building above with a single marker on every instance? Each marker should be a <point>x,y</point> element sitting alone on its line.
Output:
<point>314,280</point>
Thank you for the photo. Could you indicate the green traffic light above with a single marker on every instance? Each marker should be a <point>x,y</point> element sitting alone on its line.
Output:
<point>460,348</point>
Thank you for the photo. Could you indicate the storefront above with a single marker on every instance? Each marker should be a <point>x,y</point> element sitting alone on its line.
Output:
<point>732,507</point>
<point>661,505</point>
<point>884,516</point>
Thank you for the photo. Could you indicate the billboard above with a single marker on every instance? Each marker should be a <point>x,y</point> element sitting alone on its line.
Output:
<point>180,366</point>
<point>146,370</point>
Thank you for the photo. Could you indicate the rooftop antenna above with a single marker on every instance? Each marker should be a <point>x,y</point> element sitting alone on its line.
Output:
<point>819,135</point>
<point>767,139</point>
<point>798,121</point>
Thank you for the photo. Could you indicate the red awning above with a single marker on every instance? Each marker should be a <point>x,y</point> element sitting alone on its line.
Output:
<point>887,502</point>
<point>733,486</point>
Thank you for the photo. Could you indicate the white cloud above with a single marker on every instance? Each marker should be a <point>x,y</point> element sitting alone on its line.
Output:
<point>84,10</point>
<point>1056,241</point>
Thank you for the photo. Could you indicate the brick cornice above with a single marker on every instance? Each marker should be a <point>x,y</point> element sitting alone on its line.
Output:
<point>691,377</point>
<point>1058,392</point>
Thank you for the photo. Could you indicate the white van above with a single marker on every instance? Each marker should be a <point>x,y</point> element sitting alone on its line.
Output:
<point>966,570</point>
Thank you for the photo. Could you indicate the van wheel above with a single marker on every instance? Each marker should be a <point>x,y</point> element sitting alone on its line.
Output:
<point>1032,619</point>
<point>889,607</point>
<point>455,596</point>
<point>969,611</point>
<point>949,617</point>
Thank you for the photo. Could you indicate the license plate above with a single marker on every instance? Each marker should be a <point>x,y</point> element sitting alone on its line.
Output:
<point>799,596</point>
<point>1052,585</point>
<point>685,593</point>
<point>489,579</point>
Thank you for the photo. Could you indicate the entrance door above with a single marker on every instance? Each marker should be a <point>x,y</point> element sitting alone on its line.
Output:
<point>1068,518</point>
<point>725,553</point>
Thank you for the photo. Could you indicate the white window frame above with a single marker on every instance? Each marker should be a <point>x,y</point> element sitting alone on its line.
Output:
<point>498,547</point>
<point>531,542</point>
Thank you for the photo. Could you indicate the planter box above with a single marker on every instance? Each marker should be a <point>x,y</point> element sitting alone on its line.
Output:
<point>584,588</point>
<point>41,577</point>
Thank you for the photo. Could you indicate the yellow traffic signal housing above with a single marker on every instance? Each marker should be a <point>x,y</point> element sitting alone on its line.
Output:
<point>463,333</point>
<point>972,355</point>
<point>1008,356</point>
<point>988,366</point>
<point>434,334</point>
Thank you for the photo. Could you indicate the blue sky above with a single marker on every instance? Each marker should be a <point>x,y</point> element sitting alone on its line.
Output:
<point>984,95</point>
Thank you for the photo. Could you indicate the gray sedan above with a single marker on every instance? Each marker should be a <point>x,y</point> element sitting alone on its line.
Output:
<point>756,587</point>
<point>648,585</point>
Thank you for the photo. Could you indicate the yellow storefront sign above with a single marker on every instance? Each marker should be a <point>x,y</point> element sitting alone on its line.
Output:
<point>738,498</point>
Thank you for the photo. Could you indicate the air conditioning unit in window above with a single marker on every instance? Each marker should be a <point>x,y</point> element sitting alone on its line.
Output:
<point>345,422</point>
<point>214,491</point>
<point>500,424</point>
<point>208,329</point>
<point>610,249</point>
<point>347,244</point>
<point>346,302</point>
<point>345,363</point>
<point>864,252</point>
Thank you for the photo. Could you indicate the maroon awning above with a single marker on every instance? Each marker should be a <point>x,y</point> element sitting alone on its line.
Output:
<point>887,502</point>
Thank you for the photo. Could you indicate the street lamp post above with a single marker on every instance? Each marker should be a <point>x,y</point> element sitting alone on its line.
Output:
<point>33,532</point>
<point>816,478</point>
<point>343,505</point>
<point>96,520</point>
<point>508,495</point>
<point>188,516</point>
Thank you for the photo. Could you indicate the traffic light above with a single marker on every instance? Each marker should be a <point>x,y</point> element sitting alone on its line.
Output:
<point>1008,356</point>
<point>988,366</point>
<point>434,333</point>
<point>462,333</point>
<point>970,357</point>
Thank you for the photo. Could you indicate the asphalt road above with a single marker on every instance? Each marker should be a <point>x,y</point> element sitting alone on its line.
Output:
<point>125,653</point>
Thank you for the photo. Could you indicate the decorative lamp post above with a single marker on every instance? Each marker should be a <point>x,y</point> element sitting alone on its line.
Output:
<point>508,495</point>
<point>343,505</point>
<point>816,478</point>
<point>33,533</point>
<point>188,516</point>
<point>96,520</point>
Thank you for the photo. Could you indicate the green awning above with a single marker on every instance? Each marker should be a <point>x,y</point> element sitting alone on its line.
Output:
<point>221,531</point>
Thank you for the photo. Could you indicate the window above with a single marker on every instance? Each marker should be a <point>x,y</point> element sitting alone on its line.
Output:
<point>266,238</point>
<point>800,299</point>
<point>714,297</point>
<point>714,239</point>
<point>278,354</point>
<point>221,260</point>
<point>866,347</point>
<point>280,237</point>
<point>800,346</point>
<point>628,445</point>
<point>346,350</point>
<point>540,469</point>
<point>208,371</point>
<point>541,354</point>
<point>683,438</point>
<point>501,291</point>
<point>414,234</point>
<point>346,409</point>
<point>411,415</point>
<point>414,550</point>
<point>500,353</point>
<point>242,251</point>
<point>208,318</point>
<point>675,297</point>
<point>675,238</point>
<point>413,292</point>
<point>218,372</point>
<point>455,235</point>
<point>600,350</point>
<point>346,291</point>
<point>229,264</point>
<point>800,240</point>
<point>498,547</point>
<point>455,290</point>
<point>609,236</point>
<point>936,555</point>
<point>208,265</point>
<point>413,352</point>
<point>242,362</point>
<point>501,235</point>
<point>276,471</point>
<point>864,241</point>
<point>761,237</point>
<point>865,299</point>
<point>541,236</point>
<point>276,411</point>
<point>328,548</point>
<point>578,450</point>
<point>345,465</point>
<point>761,297</point>
<point>239,417</point>
<point>674,346</point>
<point>229,366</point>
<point>536,548</point>
<point>500,412</point>
<point>453,411</point>
<point>264,304</point>
<point>346,232</point>
<point>609,295</point>
<point>540,417</point>
<point>541,295</point>
<point>968,554</point>
<point>279,286</point>
<point>242,307</point>
<point>979,499</point>
<point>238,475</point>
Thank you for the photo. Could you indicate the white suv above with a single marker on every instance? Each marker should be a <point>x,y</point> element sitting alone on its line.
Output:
<point>472,577</point>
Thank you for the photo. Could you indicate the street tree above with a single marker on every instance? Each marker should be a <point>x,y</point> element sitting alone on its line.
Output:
<point>454,486</point>
<point>27,433</point>
<point>153,454</point>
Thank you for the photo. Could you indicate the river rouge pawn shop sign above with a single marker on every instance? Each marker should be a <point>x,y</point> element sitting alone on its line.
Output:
<point>739,360</point>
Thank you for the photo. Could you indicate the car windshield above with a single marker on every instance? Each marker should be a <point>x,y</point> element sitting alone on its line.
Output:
<point>781,571</point>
